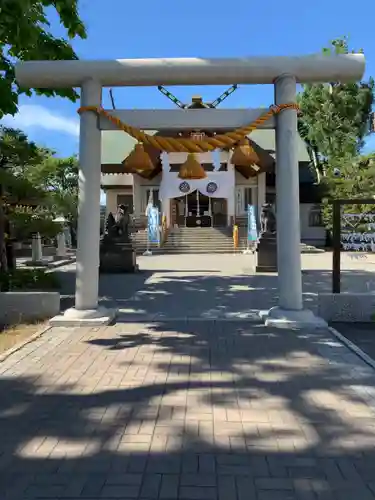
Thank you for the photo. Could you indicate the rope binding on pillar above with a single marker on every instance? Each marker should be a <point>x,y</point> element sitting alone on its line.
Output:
<point>140,160</point>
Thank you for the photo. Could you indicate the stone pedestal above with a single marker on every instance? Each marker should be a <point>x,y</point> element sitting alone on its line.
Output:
<point>36,252</point>
<point>117,256</point>
<point>61,247</point>
<point>36,248</point>
<point>284,318</point>
<point>267,254</point>
<point>84,317</point>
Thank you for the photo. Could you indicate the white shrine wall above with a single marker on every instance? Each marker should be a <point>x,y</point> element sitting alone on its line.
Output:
<point>225,180</point>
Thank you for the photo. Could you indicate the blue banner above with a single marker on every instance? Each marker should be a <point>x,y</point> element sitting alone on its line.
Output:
<point>252,231</point>
<point>153,225</point>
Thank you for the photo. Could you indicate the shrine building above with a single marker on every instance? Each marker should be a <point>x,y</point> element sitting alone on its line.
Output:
<point>225,182</point>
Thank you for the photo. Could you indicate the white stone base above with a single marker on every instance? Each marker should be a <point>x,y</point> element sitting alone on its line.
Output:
<point>283,318</point>
<point>86,317</point>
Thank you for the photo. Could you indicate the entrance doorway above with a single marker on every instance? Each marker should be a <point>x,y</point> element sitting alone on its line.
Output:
<point>198,210</point>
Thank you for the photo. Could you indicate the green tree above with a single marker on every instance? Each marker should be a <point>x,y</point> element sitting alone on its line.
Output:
<point>36,187</point>
<point>26,221</point>
<point>59,178</point>
<point>16,154</point>
<point>25,35</point>
<point>335,117</point>
<point>356,179</point>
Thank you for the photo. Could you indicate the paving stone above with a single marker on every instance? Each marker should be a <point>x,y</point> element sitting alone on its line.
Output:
<point>272,483</point>
<point>207,463</point>
<point>169,486</point>
<point>190,463</point>
<point>246,488</point>
<point>150,486</point>
<point>121,478</point>
<point>120,491</point>
<point>197,493</point>
<point>226,488</point>
<point>198,480</point>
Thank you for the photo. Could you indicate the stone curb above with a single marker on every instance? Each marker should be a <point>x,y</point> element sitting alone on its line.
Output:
<point>19,346</point>
<point>49,265</point>
<point>354,348</point>
<point>122,318</point>
<point>61,263</point>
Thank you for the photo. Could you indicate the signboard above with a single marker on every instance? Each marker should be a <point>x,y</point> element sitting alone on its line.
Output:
<point>252,231</point>
<point>197,135</point>
<point>358,232</point>
<point>153,225</point>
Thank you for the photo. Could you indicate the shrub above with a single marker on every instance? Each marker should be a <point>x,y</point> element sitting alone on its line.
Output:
<point>28,280</point>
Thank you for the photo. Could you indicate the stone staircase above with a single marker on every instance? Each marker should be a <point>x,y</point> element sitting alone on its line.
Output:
<point>306,248</point>
<point>184,240</point>
<point>139,239</point>
<point>198,240</point>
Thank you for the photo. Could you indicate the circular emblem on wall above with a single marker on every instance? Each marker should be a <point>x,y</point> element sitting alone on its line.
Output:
<point>211,187</point>
<point>184,187</point>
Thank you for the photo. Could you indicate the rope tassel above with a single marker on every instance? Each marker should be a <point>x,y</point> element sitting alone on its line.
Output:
<point>138,160</point>
<point>244,155</point>
<point>192,169</point>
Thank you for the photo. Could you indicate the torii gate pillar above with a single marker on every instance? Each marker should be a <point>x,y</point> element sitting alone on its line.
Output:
<point>289,312</point>
<point>86,310</point>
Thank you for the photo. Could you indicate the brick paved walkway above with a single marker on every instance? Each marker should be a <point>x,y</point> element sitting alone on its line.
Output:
<point>186,410</point>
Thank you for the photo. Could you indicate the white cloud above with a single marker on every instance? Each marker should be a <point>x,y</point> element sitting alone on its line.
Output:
<point>38,117</point>
<point>370,143</point>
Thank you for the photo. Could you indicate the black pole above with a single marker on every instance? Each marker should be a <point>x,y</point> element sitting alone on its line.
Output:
<point>336,240</point>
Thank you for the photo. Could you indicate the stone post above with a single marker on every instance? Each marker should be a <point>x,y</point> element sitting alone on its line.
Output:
<point>290,312</point>
<point>86,309</point>
<point>36,248</point>
<point>87,281</point>
<point>61,246</point>
<point>287,198</point>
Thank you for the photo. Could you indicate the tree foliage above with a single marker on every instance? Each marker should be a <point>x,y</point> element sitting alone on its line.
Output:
<point>25,36</point>
<point>17,155</point>
<point>36,186</point>
<point>355,180</point>
<point>26,220</point>
<point>35,176</point>
<point>59,178</point>
<point>335,117</point>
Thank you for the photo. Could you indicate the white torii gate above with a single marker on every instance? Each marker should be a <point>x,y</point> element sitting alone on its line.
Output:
<point>283,72</point>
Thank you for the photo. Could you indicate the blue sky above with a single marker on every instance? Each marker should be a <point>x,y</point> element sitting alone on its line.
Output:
<point>122,29</point>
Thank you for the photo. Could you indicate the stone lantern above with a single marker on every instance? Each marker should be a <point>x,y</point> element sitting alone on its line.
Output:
<point>61,243</point>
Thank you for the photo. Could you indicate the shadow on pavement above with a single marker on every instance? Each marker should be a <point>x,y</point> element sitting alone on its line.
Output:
<point>185,410</point>
<point>167,293</point>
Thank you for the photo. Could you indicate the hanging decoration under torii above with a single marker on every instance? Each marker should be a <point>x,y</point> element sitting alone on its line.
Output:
<point>243,154</point>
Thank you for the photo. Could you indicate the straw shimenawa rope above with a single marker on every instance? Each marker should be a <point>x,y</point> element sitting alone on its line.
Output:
<point>184,145</point>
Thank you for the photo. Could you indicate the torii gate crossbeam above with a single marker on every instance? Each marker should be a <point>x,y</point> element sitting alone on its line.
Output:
<point>190,71</point>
